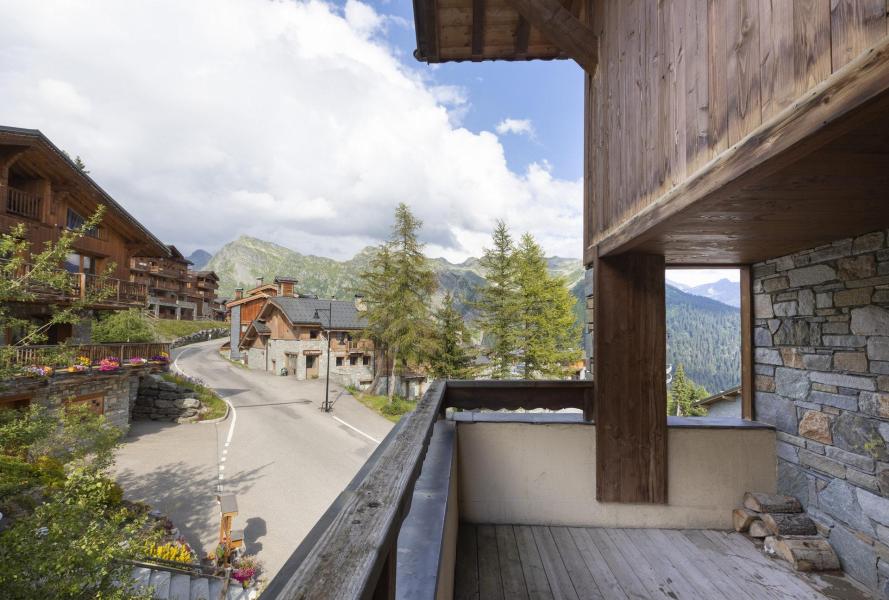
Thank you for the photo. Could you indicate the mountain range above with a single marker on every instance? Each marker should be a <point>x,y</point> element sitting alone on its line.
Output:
<point>725,291</point>
<point>703,333</point>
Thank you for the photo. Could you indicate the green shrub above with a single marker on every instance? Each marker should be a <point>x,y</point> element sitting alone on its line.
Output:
<point>123,326</point>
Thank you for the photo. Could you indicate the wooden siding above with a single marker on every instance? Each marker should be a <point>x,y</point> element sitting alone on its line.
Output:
<point>680,81</point>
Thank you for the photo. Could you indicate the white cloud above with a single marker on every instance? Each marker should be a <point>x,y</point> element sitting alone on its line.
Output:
<point>290,121</point>
<point>516,126</point>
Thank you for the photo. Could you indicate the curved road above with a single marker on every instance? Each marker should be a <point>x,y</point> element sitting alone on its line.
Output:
<point>286,461</point>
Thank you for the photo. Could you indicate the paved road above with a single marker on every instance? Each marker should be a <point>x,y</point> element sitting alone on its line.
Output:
<point>286,461</point>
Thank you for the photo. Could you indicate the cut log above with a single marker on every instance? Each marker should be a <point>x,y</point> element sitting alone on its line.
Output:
<point>805,553</point>
<point>758,529</point>
<point>743,517</point>
<point>788,524</point>
<point>771,503</point>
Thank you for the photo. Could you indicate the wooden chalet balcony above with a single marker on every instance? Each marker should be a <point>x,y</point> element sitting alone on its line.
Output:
<point>481,504</point>
<point>115,293</point>
<point>23,204</point>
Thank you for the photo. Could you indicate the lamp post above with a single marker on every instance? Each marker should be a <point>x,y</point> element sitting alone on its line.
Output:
<point>325,406</point>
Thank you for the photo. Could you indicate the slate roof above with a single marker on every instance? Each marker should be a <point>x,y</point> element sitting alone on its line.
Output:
<point>302,311</point>
<point>261,327</point>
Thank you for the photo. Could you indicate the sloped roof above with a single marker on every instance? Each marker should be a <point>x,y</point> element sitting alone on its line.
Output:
<point>302,311</point>
<point>34,137</point>
<point>261,327</point>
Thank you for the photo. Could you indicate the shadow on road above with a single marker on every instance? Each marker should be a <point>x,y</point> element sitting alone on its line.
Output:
<point>226,392</point>
<point>147,427</point>
<point>187,494</point>
<point>255,529</point>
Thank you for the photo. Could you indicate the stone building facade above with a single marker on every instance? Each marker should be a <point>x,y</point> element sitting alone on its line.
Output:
<point>821,359</point>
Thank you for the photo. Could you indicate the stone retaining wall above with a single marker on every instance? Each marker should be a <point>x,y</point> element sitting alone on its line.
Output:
<point>200,336</point>
<point>821,341</point>
<point>160,400</point>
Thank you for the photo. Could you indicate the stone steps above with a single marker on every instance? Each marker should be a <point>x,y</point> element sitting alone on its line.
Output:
<point>170,585</point>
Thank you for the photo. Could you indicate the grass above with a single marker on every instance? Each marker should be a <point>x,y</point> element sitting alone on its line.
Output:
<point>381,405</point>
<point>237,363</point>
<point>215,405</point>
<point>167,330</point>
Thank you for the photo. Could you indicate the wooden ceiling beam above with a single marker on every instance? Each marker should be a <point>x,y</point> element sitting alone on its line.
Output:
<point>478,29</point>
<point>522,35</point>
<point>562,29</point>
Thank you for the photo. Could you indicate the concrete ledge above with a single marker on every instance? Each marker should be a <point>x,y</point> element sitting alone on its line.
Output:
<point>576,418</point>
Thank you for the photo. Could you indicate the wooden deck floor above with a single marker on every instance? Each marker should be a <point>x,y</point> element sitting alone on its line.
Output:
<point>513,562</point>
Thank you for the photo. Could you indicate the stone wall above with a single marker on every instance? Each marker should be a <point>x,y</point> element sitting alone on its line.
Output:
<point>285,353</point>
<point>200,336</point>
<point>113,392</point>
<point>821,341</point>
<point>161,400</point>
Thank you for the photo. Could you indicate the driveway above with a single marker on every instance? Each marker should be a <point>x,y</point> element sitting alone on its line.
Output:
<point>286,460</point>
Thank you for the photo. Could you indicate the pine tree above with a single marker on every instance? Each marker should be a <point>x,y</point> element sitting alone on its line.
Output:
<point>452,357</point>
<point>398,288</point>
<point>498,302</point>
<point>547,331</point>
<point>683,394</point>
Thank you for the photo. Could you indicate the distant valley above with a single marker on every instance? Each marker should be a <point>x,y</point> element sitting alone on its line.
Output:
<point>703,333</point>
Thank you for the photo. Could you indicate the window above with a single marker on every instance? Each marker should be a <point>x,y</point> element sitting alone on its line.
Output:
<point>80,263</point>
<point>353,360</point>
<point>339,361</point>
<point>365,360</point>
<point>76,220</point>
<point>313,334</point>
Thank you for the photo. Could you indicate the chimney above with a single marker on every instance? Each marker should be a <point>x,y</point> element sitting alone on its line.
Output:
<point>359,303</point>
<point>239,293</point>
<point>258,281</point>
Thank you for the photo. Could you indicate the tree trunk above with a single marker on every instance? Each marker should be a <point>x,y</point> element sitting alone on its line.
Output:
<point>804,553</point>
<point>789,524</point>
<point>743,517</point>
<point>771,503</point>
<point>390,383</point>
<point>758,529</point>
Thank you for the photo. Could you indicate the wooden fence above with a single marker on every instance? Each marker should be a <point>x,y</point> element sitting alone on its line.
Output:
<point>351,551</point>
<point>38,355</point>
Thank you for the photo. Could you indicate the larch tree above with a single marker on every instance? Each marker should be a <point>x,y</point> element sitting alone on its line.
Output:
<point>547,337</point>
<point>498,303</point>
<point>452,356</point>
<point>398,288</point>
<point>683,394</point>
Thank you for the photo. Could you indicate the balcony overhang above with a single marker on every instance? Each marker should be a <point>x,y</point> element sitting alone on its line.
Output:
<point>816,172</point>
<point>479,30</point>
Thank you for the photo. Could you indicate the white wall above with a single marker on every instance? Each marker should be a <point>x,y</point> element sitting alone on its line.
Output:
<point>545,474</point>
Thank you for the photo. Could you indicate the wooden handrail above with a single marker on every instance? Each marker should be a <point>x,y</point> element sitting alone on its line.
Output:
<point>351,551</point>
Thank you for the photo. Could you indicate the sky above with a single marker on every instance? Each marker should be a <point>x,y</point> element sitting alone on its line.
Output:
<point>298,122</point>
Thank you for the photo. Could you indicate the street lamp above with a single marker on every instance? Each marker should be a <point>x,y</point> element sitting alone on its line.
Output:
<point>325,406</point>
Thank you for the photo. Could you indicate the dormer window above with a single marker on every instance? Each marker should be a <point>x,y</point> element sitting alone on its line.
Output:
<point>76,220</point>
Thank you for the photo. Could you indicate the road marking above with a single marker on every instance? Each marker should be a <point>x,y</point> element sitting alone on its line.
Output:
<point>231,428</point>
<point>353,428</point>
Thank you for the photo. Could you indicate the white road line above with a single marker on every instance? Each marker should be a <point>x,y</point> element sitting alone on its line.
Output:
<point>353,428</point>
<point>231,428</point>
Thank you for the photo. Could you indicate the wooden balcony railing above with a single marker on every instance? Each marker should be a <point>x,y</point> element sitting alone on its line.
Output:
<point>35,355</point>
<point>23,204</point>
<point>351,551</point>
<point>114,291</point>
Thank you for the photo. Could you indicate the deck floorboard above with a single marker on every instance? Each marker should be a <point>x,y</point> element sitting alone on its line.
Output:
<point>588,563</point>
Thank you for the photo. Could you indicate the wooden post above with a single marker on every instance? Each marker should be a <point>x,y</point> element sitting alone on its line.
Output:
<point>631,383</point>
<point>747,382</point>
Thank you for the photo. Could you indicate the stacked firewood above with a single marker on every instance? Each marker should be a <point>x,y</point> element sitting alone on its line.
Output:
<point>787,532</point>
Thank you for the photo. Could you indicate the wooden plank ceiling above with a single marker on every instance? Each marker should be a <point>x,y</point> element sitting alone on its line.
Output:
<point>477,30</point>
